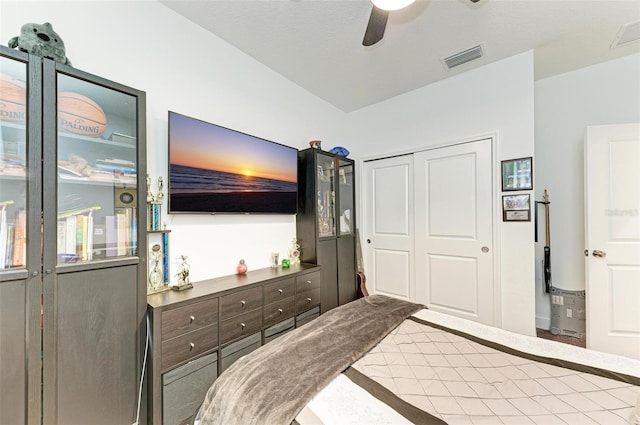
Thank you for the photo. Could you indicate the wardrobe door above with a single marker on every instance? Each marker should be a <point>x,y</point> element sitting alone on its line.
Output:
<point>20,284</point>
<point>94,222</point>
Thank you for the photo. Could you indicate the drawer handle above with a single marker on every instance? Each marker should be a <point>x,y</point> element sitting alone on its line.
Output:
<point>242,303</point>
<point>242,325</point>
<point>309,282</point>
<point>192,319</point>
<point>280,310</point>
<point>191,346</point>
<point>280,291</point>
<point>308,299</point>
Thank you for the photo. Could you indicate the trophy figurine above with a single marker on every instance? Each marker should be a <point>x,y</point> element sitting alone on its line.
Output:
<point>160,195</point>
<point>294,252</point>
<point>155,276</point>
<point>150,196</point>
<point>154,205</point>
<point>183,275</point>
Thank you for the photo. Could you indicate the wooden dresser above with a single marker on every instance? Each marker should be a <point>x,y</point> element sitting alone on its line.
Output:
<point>199,332</point>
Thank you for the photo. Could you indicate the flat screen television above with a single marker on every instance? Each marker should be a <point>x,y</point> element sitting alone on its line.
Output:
<point>213,169</point>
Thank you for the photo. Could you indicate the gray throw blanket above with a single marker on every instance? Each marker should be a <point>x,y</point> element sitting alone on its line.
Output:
<point>272,384</point>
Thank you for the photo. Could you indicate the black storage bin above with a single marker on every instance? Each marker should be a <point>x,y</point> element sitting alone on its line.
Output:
<point>279,329</point>
<point>307,316</point>
<point>235,350</point>
<point>184,388</point>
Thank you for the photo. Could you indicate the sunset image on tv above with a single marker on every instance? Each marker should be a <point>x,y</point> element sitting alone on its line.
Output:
<point>213,169</point>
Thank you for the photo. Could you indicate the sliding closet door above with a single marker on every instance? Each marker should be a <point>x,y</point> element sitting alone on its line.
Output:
<point>453,230</point>
<point>387,240</point>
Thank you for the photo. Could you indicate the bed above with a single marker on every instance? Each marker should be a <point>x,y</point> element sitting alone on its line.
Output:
<point>381,360</point>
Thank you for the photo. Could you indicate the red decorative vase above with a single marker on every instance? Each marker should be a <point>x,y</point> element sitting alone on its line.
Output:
<point>242,267</point>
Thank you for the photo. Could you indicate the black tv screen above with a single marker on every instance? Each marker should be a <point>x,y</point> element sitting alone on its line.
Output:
<point>213,169</point>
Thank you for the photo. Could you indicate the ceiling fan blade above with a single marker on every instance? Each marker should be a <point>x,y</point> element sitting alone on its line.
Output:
<point>375,27</point>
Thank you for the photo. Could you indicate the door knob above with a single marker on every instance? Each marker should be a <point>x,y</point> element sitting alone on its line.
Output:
<point>600,254</point>
<point>484,249</point>
<point>368,240</point>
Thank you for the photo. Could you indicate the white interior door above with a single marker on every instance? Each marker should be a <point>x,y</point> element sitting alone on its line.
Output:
<point>388,237</point>
<point>454,230</point>
<point>612,191</point>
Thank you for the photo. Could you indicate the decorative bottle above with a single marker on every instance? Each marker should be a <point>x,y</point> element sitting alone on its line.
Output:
<point>242,267</point>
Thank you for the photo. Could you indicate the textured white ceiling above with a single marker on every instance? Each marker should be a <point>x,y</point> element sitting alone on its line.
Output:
<point>318,43</point>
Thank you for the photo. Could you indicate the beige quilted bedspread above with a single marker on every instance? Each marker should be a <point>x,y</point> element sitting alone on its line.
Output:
<point>466,382</point>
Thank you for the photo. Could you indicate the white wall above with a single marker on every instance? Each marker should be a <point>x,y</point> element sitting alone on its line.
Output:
<point>183,68</point>
<point>497,99</point>
<point>607,93</point>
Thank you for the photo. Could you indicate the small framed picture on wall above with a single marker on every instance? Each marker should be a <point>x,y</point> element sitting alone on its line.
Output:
<point>517,174</point>
<point>516,208</point>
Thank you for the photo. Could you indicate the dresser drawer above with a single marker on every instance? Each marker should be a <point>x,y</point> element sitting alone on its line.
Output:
<point>279,310</point>
<point>307,299</point>
<point>308,281</point>
<point>242,325</point>
<point>279,290</point>
<point>186,346</point>
<point>188,318</point>
<point>240,302</point>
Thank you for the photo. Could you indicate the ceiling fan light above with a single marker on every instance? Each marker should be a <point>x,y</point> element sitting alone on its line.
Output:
<point>391,4</point>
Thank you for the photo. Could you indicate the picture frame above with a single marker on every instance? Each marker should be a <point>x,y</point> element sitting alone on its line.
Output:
<point>516,207</point>
<point>517,174</point>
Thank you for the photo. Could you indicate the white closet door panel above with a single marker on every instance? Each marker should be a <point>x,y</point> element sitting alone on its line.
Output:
<point>388,237</point>
<point>454,230</point>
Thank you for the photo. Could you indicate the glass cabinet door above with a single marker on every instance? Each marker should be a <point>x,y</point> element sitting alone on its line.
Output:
<point>325,195</point>
<point>345,191</point>
<point>13,164</point>
<point>97,172</point>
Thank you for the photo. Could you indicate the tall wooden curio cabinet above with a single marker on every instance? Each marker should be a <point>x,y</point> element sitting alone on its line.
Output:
<point>325,222</point>
<point>72,244</point>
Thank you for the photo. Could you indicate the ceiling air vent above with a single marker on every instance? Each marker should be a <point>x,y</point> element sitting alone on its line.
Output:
<point>465,56</point>
<point>628,33</point>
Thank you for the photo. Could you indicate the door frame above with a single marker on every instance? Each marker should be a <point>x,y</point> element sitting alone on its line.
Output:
<point>496,185</point>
